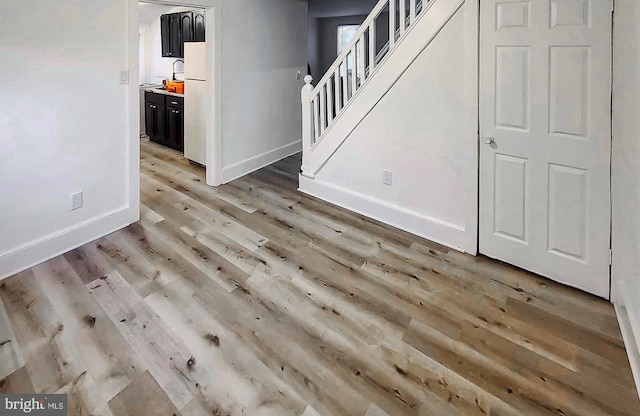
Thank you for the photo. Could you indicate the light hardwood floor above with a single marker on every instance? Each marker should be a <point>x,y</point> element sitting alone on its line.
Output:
<point>253,299</point>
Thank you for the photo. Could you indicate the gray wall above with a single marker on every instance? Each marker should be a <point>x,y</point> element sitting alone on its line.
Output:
<point>324,18</point>
<point>328,35</point>
<point>625,174</point>
<point>264,45</point>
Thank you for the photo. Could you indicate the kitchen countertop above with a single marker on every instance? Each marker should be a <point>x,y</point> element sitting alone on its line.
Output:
<point>165,92</point>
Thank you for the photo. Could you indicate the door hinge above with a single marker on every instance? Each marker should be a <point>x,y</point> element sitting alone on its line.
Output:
<point>613,5</point>
<point>610,257</point>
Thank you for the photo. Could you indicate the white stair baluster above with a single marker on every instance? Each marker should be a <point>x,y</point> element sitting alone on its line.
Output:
<point>316,116</point>
<point>353,70</point>
<point>412,11</point>
<point>337,91</point>
<point>330,101</point>
<point>392,23</point>
<point>323,109</point>
<point>345,83</point>
<point>372,46</point>
<point>361,60</point>
<point>403,16</point>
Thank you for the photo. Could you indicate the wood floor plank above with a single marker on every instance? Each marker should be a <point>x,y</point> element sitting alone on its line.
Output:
<point>233,386</point>
<point>161,352</point>
<point>11,357</point>
<point>255,299</point>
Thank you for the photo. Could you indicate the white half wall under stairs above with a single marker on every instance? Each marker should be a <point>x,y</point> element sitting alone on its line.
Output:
<point>415,115</point>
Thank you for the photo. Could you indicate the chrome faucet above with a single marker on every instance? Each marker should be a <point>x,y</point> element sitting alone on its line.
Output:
<point>174,67</point>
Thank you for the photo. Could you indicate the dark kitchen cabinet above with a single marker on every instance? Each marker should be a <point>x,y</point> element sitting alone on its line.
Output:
<point>178,28</point>
<point>171,35</point>
<point>198,26</point>
<point>164,119</point>
<point>155,122</point>
<point>186,22</point>
<point>165,34</point>
<point>175,30</point>
<point>175,129</point>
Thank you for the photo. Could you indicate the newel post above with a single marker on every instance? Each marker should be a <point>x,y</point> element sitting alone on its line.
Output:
<point>307,124</point>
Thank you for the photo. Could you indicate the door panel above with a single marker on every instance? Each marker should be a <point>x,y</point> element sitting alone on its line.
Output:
<point>567,211</point>
<point>512,87</point>
<point>510,198</point>
<point>545,75</point>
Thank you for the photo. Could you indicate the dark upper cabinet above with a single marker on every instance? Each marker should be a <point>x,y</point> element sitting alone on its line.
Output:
<point>165,35</point>
<point>171,34</point>
<point>177,28</point>
<point>187,26</point>
<point>198,26</point>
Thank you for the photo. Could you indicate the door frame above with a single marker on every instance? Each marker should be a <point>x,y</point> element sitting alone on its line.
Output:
<point>478,144</point>
<point>213,100</point>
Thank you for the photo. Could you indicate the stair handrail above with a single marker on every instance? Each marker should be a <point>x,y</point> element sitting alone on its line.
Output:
<point>322,104</point>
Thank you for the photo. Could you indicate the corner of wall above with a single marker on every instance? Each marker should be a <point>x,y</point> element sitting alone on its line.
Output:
<point>628,314</point>
<point>55,244</point>
<point>244,167</point>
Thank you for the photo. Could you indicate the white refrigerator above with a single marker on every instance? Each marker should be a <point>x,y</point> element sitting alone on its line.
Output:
<point>195,86</point>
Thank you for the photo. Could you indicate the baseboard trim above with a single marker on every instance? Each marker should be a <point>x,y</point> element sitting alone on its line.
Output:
<point>626,328</point>
<point>431,228</point>
<point>240,169</point>
<point>52,245</point>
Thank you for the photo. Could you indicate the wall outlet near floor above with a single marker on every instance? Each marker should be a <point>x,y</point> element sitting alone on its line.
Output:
<point>387,177</point>
<point>76,200</point>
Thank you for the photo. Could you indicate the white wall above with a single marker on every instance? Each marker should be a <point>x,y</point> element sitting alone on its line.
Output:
<point>264,44</point>
<point>64,125</point>
<point>625,178</point>
<point>420,130</point>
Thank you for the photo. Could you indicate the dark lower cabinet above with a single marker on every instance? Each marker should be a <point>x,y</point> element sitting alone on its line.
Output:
<point>155,122</point>
<point>175,129</point>
<point>164,120</point>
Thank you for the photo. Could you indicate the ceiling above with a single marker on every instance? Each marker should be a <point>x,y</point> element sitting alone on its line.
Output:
<point>151,11</point>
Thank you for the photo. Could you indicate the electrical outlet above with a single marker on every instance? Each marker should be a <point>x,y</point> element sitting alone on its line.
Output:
<point>76,201</point>
<point>387,177</point>
<point>124,77</point>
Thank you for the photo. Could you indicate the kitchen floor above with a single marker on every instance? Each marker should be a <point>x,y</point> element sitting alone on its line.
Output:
<point>254,299</point>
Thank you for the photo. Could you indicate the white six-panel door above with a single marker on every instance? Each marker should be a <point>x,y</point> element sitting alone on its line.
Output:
<point>545,108</point>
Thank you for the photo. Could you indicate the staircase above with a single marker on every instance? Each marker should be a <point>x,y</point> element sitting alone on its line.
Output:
<point>365,71</point>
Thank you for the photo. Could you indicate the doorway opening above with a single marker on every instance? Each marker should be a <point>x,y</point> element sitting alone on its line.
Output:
<point>179,113</point>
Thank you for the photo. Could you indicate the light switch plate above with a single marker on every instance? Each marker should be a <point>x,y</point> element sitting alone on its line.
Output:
<point>387,177</point>
<point>124,77</point>
<point>76,201</point>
